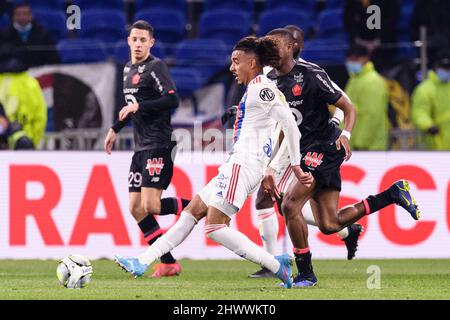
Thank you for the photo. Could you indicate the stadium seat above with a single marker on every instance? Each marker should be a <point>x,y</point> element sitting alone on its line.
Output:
<point>331,25</point>
<point>208,56</point>
<point>308,6</point>
<point>170,25</point>
<point>81,50</point>
<point>226,24</point>
<point>122,51</point>
<point>187,80</point>
<point>46,4</point>
<point>54,21</point>
<point>272,19</point>
<point>4,21</point>
<point>179,5</point>
<point>334,4</point>
<point>325,52</point>
<point>107,25</point>
<point>406,48</point>
<point>242,5</point>
<point>100,4</point>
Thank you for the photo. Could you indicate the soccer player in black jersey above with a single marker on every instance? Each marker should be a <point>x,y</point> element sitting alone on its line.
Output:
<point>151,96</point>
<point>324,147</point>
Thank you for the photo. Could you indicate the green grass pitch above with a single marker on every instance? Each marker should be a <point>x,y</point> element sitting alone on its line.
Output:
<point>227,280</point>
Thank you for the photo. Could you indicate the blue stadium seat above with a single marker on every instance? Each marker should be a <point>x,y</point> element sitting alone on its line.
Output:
<point>331,25</point>
<point>100,4</point>
<point>335,4</point>
<point>81,50</point>
<point>122,51</point>
<point>272,19</point>
<point>169,25</point>
<point>325,52</point>
<point>405,51</point>
<point>242,5</point>
<point>187,80</point>
<point>107,25</point>
<point>54,21</point>
<point>4,21</point>
<point>179,5</point>
<point>45,4</point>
<point>208,56</point>
<point>226,24</point>
<point>308,6</point>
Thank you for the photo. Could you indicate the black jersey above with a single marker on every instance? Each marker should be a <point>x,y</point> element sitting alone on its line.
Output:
<point>149,83</point>
<point>308,91</point>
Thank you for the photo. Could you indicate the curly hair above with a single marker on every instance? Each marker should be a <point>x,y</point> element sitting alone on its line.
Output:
<point>264,48</point>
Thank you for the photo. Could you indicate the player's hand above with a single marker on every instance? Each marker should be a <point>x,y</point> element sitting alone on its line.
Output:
<point>305,178</point>
<point>269,186</point>
<point>342,142</point>
<point>109,141</point>
<point>131,108</point>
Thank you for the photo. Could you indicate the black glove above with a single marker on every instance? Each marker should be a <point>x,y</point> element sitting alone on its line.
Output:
<point>229,113</point>
<point>433,130</point>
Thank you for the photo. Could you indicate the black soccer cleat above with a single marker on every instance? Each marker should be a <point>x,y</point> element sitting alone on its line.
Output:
<point>263,273</point>
<point>401,195</point>
<point>351,242</point>
<point>305,280</point>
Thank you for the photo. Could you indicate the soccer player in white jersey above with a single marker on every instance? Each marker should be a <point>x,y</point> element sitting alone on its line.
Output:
<point>261,108</point>
<point>266,214</point>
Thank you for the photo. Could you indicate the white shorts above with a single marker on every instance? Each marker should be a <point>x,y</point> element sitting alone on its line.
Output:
<point>284,178</point>
<point>231,187</point>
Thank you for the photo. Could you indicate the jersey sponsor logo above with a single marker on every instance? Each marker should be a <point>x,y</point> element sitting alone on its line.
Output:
<point>154,165</point>
<point>298,77</point>
<point>295,103</point>
<point>325,83</point>
<point>155,179</point>
<point>297,90</point>
<point>158,82</point>
<point>268,148</point>
<point>266,94</point>
<point>135,79</point>
<point>313,159</point>
<point>141,68</point>
<point>130,90</point>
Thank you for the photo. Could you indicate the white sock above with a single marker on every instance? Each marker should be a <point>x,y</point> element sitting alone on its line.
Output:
<point>268,229</point>
<point>309,217</point>
<point>171,239</point>
<point>241,245</point>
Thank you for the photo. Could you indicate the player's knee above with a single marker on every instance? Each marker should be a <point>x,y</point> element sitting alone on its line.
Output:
<point>210,230</point>
<point>327,227</point>
<point>152,207</point>
<point>263,202</point>
<point>135,209</point>
<point>288,208</point>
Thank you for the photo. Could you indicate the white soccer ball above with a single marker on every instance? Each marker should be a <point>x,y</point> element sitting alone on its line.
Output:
<point>74,271</point>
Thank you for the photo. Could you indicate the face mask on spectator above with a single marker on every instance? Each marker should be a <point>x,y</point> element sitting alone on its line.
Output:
<point>443,74</point>
<point>354,67</point>
<point>21,28</point>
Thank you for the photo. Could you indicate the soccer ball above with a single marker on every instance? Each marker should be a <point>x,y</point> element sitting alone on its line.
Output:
<point>74,271</point>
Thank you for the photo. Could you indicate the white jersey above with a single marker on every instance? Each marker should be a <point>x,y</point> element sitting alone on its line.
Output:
<point>254,124</point>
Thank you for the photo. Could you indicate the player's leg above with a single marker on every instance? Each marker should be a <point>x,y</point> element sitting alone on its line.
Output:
<point>217,229</point>
<point>294,200</point>
<point>195,211</point>
<point>268,229</point>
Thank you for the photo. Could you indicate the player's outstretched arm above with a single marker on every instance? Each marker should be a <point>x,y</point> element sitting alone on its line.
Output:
<point>109,141</point>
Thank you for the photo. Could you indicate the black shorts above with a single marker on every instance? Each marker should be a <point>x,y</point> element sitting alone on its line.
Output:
<point>324,161</point>
<point>150,169</point>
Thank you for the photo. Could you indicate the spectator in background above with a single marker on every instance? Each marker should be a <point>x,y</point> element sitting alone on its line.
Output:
<point>23,102</point>
<point>355,23</point>
<point>4,125</point>
<point>431,104</point>
<point>435,16</point>
<point>369,93</point>
<point>30,41</point>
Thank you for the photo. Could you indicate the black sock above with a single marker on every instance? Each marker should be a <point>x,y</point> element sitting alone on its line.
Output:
<point>379,201</point>
<point>172,205</point>
<point>150,226</point>
<point>303,262</point>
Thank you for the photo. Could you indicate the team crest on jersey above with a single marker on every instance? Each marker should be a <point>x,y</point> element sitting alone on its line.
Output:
<point>298,77</point>
<point>313,159</point>
<point>141,68</point>
<point>154,165</point>
<point>297,90</point>
<point>135,79</point>
<point>266,94</point>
